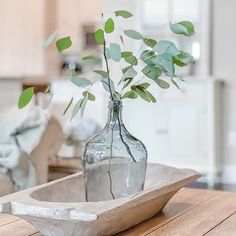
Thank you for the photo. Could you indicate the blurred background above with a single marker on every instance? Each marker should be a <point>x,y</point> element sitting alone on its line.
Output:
<point>191,128</point>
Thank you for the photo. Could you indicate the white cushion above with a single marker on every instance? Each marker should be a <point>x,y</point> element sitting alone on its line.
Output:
<point>10,118</point>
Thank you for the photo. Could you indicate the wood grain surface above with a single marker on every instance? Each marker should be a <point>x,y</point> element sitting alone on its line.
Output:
<point>189,212</point>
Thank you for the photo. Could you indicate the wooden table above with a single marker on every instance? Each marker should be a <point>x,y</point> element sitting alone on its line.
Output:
<point>190,212</point>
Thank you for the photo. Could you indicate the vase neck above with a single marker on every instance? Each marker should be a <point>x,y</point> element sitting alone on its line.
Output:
<point>114,114</point>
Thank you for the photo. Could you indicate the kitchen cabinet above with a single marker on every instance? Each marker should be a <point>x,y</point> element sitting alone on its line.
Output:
<point>183,128</point>
<point>22,35</point>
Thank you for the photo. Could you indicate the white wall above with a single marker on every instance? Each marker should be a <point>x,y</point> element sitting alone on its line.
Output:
<point>224,65</point>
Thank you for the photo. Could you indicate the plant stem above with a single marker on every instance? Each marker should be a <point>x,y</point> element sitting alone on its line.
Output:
<point>110,179</point>
<point>107,66</point>
<point>109,165</point>
<point>123,141</point>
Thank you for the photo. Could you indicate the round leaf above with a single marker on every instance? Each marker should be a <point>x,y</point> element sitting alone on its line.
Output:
<point>183,59</point>
<point>133,34</point>
<point>109,26</point>
<point>141,92</point>
<point>63,44</point>
<point>80,81</point>
<point>99,36</point>
<point>105,84</point>
<point>103,73</point>
<point>130,94</point>
<point>184,27</point>
<point>76,109</point>
<point>166,63</point>
<point>152,98</point>
<point>162,83</point>
<point>115,52</point>
<point>152,71</point>
<point>123,13</point>
<point>165,46</point>
<point>131,73</point>
<point>89,95</point>
<point>132,60</point>
<point>25,97</point>
<point>150,42</point>
<point>144,85</point>
<point>90,57</point>
<point>126,54</point>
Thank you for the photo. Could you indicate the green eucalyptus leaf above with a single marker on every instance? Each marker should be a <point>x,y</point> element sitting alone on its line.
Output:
<point>165,46</point>
<point>183,59</point>
<point>115,52</point>
<point>68,106</point>
<point>141,92</point>
<point>147,54</point>
<point>99,36</point>
<point>123,13</point>
<point>144,85</point>
<point>25,97</point>
<point>150,42</point>
<point>126,54</point>
<point>175,84</point>
<point>63,43</point>
<point>184,27</point>
<point>105,84</point>
<point>127,82</point>
<point>90,57</point>
<point>83,105</point>
<point>151,71</point>
<point>80,81</point>
<point>133,34</point>
<point>76,108</point>
<point>131,73</point>
<point>165,61</point>
<point>126,69</point>
<point>151,97</point>
<point>50,39</point>
<point>132,60</point>
<point>103,73</point>
<point>130,94</point>
<point>89,95</point>
<point>109,26</point>
<point>162,83</point>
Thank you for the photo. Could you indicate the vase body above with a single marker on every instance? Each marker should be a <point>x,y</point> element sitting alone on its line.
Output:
<point>114,161</point>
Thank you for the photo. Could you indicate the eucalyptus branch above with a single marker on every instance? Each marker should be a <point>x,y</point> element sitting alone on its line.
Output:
<point>107,66</point>
<point>123,141</point>
<point>109,165</point>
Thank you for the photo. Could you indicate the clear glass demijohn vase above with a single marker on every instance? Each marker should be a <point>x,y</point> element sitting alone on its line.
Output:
<point>114,161</point>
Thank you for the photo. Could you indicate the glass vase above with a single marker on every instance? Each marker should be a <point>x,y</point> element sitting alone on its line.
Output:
<point>114,161</point>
